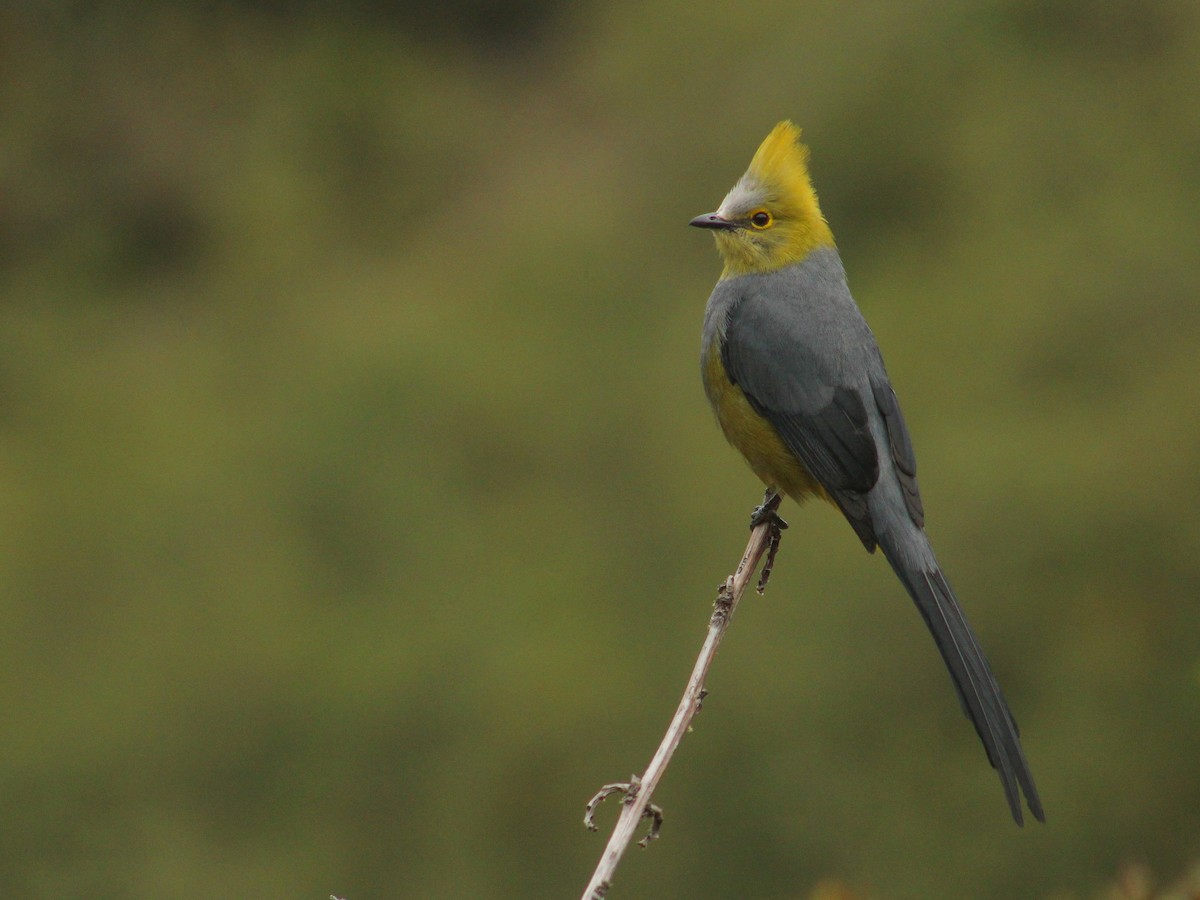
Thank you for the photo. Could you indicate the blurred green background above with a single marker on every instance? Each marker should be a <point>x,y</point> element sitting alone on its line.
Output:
<point>361,513</point>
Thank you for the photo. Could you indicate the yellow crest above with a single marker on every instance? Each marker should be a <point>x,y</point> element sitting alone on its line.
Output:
<point>781,162</point>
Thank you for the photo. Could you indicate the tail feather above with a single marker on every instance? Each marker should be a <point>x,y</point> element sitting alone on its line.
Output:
<point>978,691</point>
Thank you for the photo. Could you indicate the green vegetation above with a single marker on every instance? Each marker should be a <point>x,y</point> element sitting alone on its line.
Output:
<point>361,513</point>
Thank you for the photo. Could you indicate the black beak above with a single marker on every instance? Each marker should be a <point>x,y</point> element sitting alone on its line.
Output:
<point>713,221</point>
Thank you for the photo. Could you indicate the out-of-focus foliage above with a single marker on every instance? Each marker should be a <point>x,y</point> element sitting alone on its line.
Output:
<point>1133,882</point>
<point>360,511</point>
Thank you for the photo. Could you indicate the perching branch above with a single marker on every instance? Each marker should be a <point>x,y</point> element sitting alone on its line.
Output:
<point>635,805</point>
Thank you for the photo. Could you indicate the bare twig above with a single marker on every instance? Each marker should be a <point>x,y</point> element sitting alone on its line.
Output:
<point>636,801</point>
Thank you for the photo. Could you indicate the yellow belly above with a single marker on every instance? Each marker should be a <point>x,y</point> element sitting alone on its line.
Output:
<point>755,437</point>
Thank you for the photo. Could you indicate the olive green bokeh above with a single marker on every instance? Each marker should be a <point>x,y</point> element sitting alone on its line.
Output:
<point>360,510</point>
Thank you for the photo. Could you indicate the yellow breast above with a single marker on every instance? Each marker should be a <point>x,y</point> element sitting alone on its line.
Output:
<point>755,437</point>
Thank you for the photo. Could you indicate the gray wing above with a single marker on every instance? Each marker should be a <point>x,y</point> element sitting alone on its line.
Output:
<point>800,351</point>
<point>899,444</point>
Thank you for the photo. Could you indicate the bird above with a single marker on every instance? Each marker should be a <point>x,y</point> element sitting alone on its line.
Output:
<point>797,382</point>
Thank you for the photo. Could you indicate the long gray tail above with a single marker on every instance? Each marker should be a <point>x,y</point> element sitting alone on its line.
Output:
<point>980,694</point>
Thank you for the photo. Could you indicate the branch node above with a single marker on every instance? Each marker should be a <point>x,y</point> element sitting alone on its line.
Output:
<point>632,789</point>
<point>629,790</point>
<point>724,604</point>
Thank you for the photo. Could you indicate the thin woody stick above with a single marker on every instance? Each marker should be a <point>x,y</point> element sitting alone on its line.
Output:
<point>636,803</point>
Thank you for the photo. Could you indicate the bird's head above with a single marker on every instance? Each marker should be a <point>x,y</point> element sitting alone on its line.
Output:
<point>770,219</point>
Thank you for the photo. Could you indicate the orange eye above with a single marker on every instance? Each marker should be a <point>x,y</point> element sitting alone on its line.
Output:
<point>760,219</point>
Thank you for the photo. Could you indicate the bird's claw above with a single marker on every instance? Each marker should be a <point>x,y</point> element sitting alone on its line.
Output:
<point>766,513</point>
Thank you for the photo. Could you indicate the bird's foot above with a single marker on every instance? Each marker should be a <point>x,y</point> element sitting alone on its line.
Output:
<point>766,513</point>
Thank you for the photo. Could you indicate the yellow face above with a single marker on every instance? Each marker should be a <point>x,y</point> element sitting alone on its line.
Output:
<point>765,234</point>
<point>770,219</point>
